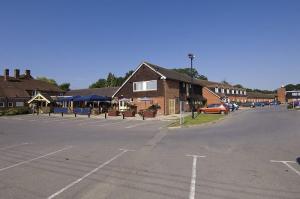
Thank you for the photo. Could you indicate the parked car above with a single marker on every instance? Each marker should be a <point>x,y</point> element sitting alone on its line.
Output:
<point>260,104</point>
<point>248,104</point>
<point>236,106</point>
<point>215,108</point>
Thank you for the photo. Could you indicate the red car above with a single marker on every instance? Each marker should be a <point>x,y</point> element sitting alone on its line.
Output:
<point>215,108</point>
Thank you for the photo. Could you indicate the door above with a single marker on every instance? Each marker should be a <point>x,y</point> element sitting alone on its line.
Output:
<point>171,106</point>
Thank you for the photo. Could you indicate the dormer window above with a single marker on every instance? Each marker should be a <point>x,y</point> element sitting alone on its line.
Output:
<point>228,91</point>
<point>216,90</point>
<point>222,90</point>
<point>245,92</point>
<point>232,91</point>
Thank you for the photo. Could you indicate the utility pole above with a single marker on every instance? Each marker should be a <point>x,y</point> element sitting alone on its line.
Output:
<point>191,56</point>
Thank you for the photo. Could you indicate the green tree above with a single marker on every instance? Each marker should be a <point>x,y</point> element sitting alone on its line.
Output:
<point>188,72</point>
<point>238,86</point>
<point>100,83</point>
<point>48,80</point>
<point>111,80</point>
<point>65,86</point>
<point>291,87</point>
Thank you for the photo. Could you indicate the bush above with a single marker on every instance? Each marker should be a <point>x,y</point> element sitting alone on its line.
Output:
<point>15,111</point>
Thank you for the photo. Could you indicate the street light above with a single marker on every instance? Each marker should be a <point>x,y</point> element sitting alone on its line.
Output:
<point>192,56</point>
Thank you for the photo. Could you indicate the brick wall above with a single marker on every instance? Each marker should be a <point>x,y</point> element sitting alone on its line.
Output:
<point>210,96</point>
<point>281,93</point>
<point>172,92</point>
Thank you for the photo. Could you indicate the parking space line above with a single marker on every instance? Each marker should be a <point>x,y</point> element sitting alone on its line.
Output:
<point>28,161</point>
<point>13,146</point>
<point>194,175</point>
<point>286,163</point>
<point>89,173</point>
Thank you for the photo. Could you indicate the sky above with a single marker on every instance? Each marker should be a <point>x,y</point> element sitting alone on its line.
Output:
<point>255,43</point>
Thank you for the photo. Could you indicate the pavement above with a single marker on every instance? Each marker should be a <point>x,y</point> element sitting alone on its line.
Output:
<point>250,154</point>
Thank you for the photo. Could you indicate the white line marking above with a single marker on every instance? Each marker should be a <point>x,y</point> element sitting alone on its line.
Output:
<point>286,163</point>
<point>194,175</point>
<point>13,146</point>
<point>28,161</point>
<point>88,174</point>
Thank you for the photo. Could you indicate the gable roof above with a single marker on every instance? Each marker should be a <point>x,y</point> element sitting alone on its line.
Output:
<point>164,73</point>
<point>105,92</point>
<point>18,87</point>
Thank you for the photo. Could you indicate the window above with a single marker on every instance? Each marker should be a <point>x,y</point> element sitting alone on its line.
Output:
<point>245,93</point>
<point>145,86</point>
<point>241,92</point>
<point>222,90</point>
<point>19,104</point>
<point>216,90</point>
<point>232,91</point>
<point>1,104</point>
<point>228,91</point>
<point>10,104</point>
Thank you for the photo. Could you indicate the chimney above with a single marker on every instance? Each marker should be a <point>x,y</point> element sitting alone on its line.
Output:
<point>6,74</point>
<point>17,73</point>
<point>27,73</point>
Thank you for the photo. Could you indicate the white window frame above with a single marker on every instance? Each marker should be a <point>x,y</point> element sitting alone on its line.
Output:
<point>2,104</point>
<point>222,90</point>
<point>245,92</point>
<point>144,86</point>
<point>232,91</point>
<point>228,91</point>
<point>216,90</point>
<point>8,104</point>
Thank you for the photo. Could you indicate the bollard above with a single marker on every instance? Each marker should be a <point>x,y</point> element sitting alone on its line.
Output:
<point>143,116</point>
<point>123,116</point>
<point>105,116</point>
<point>89,115</point>
<point>62,114</point>
<point>75,114</point>
<point>49,114</point>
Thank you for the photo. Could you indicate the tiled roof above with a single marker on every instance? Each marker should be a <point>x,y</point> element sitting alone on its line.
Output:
<point>19,87</point>
<point>174,75</point>
<point>106,92</point>
<point>260,95</point>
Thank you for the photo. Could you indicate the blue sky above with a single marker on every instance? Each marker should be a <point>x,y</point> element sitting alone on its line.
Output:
<point>254,43</point>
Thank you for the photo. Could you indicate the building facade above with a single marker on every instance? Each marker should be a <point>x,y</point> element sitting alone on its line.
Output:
<point>154,85</point>
<point>17,90</point>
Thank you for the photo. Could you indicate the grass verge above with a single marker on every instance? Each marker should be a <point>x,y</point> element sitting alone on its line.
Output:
<point>200,119</point>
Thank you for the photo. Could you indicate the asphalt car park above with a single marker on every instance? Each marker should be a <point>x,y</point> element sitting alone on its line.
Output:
<point>251,154</point>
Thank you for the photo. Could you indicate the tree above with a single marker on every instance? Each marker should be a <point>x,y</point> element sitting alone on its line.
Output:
<point>224,82</point>
<point>194,73</point>
<point>111,80</point>
<point>48,80</point>
<point>65,86</point>
<point>98,84</point>
<point>238,86</point>
<point>291,87</point>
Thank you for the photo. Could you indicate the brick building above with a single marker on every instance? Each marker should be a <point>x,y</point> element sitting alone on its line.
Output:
<point>151,84</point>
<point>287,96</point>
<point>17,90</point>
<point>215,92</point>
<point>261,97</point>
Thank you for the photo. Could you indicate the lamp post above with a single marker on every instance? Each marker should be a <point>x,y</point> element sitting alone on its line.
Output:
<point>191,56</point>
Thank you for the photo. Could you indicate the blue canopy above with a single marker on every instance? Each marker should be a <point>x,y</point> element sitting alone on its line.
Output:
<point>92,98</point>
<point>67,99</point>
